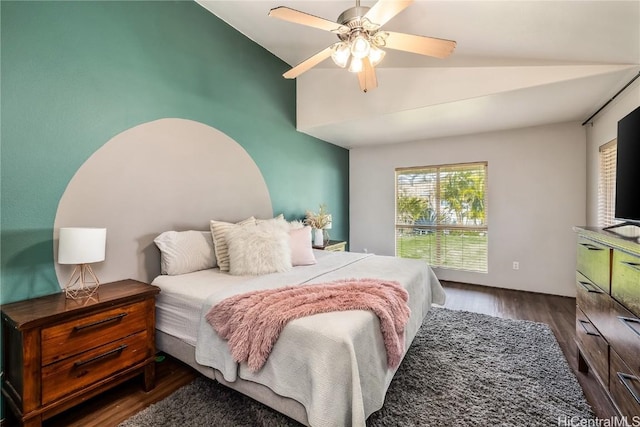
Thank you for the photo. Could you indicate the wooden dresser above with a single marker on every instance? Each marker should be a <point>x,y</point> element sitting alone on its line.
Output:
<point>58,352</point>
<point>608,315</point>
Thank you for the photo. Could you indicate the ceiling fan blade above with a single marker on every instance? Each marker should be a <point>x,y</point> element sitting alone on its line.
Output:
<point>384,10</point>
<point>297,17</point>
<point>367,77</point>
<point>430,46</point>
<point>308,63</point>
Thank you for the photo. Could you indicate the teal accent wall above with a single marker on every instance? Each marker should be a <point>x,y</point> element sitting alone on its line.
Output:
<point>75,74</point>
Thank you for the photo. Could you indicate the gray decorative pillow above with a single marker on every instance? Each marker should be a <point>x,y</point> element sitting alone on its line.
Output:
<point>184,252</point>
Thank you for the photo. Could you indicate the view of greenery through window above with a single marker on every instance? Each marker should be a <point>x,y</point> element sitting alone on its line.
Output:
<point>441,215</point>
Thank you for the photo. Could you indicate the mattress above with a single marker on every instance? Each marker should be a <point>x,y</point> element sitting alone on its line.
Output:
<point>179,303</point>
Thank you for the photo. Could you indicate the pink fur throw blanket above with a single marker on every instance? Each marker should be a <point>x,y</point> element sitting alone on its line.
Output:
<point>252,322</point>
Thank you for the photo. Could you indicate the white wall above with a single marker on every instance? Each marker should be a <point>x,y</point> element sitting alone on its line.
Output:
<point>536,194</point>
<point>603,129</point>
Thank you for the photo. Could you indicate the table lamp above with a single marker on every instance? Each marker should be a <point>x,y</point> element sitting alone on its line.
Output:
<point>81,246</point>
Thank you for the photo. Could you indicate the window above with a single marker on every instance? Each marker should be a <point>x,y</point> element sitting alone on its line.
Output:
<point>441,215</point>
<point>607,184</point>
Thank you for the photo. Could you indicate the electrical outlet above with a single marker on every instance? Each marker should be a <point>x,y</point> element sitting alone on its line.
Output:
<point>516,265</point>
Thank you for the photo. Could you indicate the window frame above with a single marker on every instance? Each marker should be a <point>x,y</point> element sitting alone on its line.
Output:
<point>439,227</point>
<point>607,156</point>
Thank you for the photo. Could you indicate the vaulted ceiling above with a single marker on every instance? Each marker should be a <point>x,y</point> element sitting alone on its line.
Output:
<point>516,64</point>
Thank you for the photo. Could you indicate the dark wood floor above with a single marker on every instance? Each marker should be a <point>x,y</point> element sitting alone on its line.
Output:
<point>117,405</point>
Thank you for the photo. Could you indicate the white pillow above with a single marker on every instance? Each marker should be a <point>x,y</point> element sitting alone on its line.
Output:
<point>218,231</point>
<point>258,249</point>
<point>183,252</point>
<point>301,250</point>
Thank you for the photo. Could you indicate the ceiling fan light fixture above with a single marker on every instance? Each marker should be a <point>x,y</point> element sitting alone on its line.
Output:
<point>375,55</point>
<point>361,40</point>
<point>341,54</point>
<point>356,65</point>
<point>360,46</point>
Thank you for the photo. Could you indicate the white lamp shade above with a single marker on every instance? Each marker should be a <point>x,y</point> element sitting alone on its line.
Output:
<point>81,245</point>
<point>341,54</point>
<point>356,65</point>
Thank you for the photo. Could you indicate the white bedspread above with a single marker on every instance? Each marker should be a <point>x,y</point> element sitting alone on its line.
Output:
<point>332,363</point>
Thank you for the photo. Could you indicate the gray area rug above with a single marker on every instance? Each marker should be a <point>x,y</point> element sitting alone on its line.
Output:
<point>463,369</point>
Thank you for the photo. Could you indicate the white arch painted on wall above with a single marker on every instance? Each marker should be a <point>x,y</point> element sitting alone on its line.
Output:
<point>168,174</point>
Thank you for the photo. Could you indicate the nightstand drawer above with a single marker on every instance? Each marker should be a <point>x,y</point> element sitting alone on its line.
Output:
<point>84,369</point>
<point>67,339</point>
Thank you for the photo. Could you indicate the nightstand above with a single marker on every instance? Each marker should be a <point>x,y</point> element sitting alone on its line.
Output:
<point>58,352</point>
<point>333,246</point>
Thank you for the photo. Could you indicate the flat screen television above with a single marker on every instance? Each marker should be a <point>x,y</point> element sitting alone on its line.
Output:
<point>628,170</point>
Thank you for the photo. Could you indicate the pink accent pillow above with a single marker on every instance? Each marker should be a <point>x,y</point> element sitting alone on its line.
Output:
<point>301,251</point>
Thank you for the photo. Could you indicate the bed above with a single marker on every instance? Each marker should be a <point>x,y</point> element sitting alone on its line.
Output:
<point>194,173</point>
<point>327,369</point>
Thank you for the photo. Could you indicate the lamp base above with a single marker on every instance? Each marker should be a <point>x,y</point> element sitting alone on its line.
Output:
<point>78,287</point>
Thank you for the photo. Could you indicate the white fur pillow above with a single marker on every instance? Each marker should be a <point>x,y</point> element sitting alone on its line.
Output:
<point>258,249</point>
<point>301,250</point>
<point>183,252</point>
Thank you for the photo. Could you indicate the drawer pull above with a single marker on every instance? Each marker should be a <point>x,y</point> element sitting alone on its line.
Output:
<point>100,356</point>
<point>591,247</point>
<point>100,322</point>
<point>627,322</point>
<point>590,288</point>
<point>632,265</point>
<point>582,323</point>
<point>626,379</point>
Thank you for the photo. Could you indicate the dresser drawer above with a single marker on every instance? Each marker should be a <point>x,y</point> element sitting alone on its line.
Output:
<point>624,388</point>
<point>623,334</point>
<point>593,346</point>
<point>73,337</point>
<point>625,280</point>
<point>594,302</point>
<point>594,262</point>
<point>84,369</point>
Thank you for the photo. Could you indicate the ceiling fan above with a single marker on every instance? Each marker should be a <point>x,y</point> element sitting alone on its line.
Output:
<point>362,40</point>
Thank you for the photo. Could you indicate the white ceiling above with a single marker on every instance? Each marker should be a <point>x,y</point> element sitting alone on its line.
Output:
<point>516,64</point>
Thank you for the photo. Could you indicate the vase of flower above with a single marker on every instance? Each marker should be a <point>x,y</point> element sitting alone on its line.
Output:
<point>318,221</point>
<point>318,237</point>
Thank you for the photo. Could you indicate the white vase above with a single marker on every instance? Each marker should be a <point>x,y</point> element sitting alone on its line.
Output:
<point>318,237</point>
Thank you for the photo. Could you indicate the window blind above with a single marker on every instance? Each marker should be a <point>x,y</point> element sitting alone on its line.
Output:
<point>607,184</point>
<point>441,215</point>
